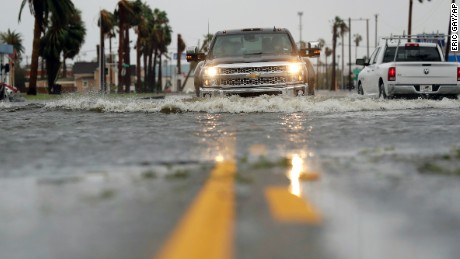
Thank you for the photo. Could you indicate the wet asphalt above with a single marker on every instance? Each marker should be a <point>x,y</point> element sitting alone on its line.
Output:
<point>90,183</point>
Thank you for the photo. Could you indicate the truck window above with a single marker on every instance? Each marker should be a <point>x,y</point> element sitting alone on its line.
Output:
<point>371,59</point>
<point>249,44</point>
<point>374,59</point>
<point>412,54</point>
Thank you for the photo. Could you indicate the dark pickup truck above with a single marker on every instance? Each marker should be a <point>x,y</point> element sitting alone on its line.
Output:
<point>250,62</point>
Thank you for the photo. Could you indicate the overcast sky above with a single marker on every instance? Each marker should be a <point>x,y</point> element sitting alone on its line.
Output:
<point>190,18</point>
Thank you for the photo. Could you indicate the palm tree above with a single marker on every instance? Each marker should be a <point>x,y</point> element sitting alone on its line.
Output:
<point>107,22</point>
<point>41,9</point>
<point>142,31</point>
<point>122,13</point>
<point>75,37</point>
<point>146,46</point>
<point>160,39</point>
<point>164,40</point>
<point>63,39</point>
<point>15,39</point>
<point>51,46</point>
<point>357,40</point>
<point>338,28</point>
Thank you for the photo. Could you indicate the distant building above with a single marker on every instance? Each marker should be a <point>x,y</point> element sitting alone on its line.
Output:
<point>85,78</point>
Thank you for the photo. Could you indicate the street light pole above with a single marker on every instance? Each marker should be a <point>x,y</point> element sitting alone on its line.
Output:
<point>300,27</point>
<point>409,26</point>
<point>349,54</point>
<point>376,15</point>
<point>367,32</point>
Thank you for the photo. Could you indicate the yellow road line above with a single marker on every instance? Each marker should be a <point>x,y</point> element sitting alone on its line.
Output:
<point>207,229</point>
<point>286,207</point>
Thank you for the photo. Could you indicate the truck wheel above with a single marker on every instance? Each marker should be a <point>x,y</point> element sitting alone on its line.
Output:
<point>382,93</point>
<point>360,89</point>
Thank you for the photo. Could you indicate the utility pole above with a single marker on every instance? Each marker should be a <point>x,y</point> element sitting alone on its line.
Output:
<point>367,32</point>
<point>349,53</point>
<point>300,28</point>
<point>409,26</point>
<point>376,15</point>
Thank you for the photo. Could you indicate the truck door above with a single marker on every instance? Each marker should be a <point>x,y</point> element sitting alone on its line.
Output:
<point>369,86</point>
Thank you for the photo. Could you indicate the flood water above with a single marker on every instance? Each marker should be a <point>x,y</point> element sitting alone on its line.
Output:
<point>74,135</point>
<point>390,168</point>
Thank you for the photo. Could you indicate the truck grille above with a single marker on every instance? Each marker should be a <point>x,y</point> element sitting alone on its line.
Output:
<point>248,70</point>
<point>251,82</point>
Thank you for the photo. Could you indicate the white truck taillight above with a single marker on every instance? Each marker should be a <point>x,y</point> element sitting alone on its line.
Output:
<point>392,74</point>
<point>458,73</point>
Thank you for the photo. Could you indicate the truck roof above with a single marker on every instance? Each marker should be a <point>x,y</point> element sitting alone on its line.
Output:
<point>421,44</point>
<point>252,30</point>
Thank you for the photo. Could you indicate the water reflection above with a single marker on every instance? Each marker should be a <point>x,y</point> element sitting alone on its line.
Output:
<point>294,175</point>
<point>296,133</point>
<point>218,141</point>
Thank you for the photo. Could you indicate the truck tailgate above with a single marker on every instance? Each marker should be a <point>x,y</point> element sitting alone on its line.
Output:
<point>426,73</point>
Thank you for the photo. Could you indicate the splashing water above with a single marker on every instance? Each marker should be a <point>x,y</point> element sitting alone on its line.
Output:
<point>235,104</point>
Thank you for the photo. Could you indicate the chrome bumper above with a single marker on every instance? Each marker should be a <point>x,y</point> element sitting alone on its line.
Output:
<point>289,90</point>
<point>411,89</point>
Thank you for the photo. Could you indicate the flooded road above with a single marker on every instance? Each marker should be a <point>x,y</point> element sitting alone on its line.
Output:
<point>93,177</point>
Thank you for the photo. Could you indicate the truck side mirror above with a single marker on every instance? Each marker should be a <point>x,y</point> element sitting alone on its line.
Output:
<point>193,54</point>
<point>362,62</point>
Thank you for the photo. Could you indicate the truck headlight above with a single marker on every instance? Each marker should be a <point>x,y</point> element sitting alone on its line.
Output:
<point>211,71</point>
<point>294,68</point>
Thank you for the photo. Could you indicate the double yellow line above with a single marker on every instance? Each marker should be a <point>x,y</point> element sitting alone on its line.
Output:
<point>207,229</point>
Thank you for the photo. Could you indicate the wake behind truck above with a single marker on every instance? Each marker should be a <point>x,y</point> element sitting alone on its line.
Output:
<point>252,61</point>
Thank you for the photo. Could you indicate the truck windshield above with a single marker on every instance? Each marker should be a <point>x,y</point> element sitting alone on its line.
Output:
<point>239,45</point>
<point>412,54</point>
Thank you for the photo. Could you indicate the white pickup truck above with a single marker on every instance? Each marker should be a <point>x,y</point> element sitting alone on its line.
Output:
<point>409,69</point>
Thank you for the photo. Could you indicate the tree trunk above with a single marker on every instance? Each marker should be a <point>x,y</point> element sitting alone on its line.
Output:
<point>327,79</point>
<point>127,61</point>
<point>145,58</point>
<point>42,70</point>
<point>64,66</point>
<point>334,46</point>
<point>120,51</point>
<point>150,71</point>
<point>52,68</point>
<point>138,65</point>
<point>160,74</point>
<point>102,63</point>
<point>110,61</point>
<point>34,62</point>
<point>154,70</point>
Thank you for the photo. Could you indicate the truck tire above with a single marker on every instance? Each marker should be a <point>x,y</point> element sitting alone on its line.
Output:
<point>382,93</point>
